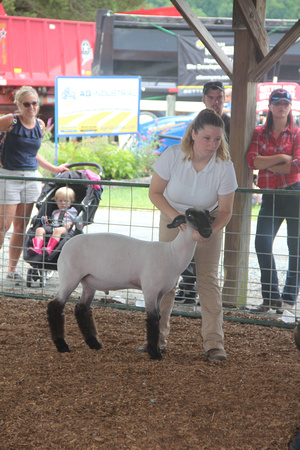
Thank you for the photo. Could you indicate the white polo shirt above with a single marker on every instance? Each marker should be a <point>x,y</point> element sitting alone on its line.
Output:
<point>187,188</point>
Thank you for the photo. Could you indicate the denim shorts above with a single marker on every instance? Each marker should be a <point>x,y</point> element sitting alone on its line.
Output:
<point>13,192</point>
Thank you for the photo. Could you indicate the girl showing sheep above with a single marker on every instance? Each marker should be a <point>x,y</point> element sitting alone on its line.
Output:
<point>197,173</point>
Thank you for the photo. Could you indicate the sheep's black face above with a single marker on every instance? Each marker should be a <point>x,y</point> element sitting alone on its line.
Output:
<point>200,221</point>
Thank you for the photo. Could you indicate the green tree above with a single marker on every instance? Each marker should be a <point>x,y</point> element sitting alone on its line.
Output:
<point>67,9</point>
<point>289,9</point>
<point>275,9</point>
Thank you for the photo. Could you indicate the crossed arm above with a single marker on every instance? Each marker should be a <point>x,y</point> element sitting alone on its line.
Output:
<point>279,163</point>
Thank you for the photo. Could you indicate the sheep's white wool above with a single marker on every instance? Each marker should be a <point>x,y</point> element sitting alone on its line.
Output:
<point>107,261</point>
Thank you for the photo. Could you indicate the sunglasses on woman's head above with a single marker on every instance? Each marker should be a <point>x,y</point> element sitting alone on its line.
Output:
<point>279,95</point>
<point>282,95</point>
<point>28,104</point>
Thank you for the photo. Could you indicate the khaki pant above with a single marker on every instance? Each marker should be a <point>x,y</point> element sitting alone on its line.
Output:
<point>207,257</point>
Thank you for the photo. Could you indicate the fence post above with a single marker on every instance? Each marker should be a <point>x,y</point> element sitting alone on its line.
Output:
<point>171,102</point>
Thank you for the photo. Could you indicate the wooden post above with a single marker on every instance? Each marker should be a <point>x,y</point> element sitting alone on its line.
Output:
<point>242,125</point>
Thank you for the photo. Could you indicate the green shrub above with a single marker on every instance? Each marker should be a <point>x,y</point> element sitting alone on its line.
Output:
<point>117,163</point>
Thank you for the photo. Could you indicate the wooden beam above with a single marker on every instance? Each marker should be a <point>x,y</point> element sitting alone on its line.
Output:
<point>203,34</point>
<point>254,26</point>
<point>275,54</point>
<point>242,125</point>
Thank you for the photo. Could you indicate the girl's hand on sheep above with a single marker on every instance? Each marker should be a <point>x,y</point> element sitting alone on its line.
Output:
<point>197,237</point>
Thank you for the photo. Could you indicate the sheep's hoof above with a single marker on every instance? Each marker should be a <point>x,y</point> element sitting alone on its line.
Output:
<point>62,346</point>
<point>93,343</point>
<point>154,353</point>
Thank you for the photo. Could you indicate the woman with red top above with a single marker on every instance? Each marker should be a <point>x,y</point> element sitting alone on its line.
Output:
<point>275,152</point>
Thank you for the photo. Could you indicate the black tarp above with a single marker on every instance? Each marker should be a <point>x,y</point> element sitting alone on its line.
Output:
<point>196,65</point>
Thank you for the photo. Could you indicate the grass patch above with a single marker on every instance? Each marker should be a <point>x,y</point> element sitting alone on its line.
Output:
<point>254,212</point>
<point>126,197</point>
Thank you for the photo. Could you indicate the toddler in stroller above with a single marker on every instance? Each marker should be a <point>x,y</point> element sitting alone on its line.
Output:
<point>61,222</point>
<point>44,241</point>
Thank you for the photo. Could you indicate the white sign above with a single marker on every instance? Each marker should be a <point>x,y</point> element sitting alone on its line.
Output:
<point>91,106</point>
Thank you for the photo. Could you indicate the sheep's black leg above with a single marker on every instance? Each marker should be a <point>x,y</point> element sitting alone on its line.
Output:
<point>86,323</point>
<point>56,319</point>
<point>152,322</point>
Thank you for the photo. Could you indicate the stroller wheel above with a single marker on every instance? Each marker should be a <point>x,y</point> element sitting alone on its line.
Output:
<point>29,277</point>
<point>43,277</point>
<point>35,274</point>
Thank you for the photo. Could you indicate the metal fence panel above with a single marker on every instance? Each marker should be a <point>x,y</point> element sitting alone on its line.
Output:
<point>131,218</point>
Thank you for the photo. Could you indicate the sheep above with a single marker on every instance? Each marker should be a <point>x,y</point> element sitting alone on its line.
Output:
<point>108,261</point>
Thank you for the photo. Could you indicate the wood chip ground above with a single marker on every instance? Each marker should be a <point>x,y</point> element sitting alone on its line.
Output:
<point>115,398</point>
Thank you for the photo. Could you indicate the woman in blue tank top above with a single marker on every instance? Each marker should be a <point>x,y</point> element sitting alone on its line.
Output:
<point>20,158</point>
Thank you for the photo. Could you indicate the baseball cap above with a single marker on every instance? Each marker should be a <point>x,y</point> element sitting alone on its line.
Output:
<point>278,95</point>
<point>213,85</point>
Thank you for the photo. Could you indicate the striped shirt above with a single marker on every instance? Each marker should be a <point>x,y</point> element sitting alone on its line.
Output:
<point>264,143</point>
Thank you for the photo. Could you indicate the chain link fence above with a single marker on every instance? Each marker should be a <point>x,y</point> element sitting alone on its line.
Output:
<point>131,218</point>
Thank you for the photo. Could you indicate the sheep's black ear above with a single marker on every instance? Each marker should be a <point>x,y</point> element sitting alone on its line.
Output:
<point>179,220</point>
<point>210,218</point>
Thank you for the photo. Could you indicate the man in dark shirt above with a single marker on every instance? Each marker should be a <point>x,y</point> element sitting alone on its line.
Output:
<point>213,98</point>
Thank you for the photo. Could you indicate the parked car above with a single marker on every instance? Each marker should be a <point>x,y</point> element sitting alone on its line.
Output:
<point>162,131</point>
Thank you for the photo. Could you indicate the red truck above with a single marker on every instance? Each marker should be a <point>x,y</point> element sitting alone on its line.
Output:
<point>34,51</point>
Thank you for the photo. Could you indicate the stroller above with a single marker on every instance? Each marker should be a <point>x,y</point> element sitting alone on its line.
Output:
<point>87,198</point>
